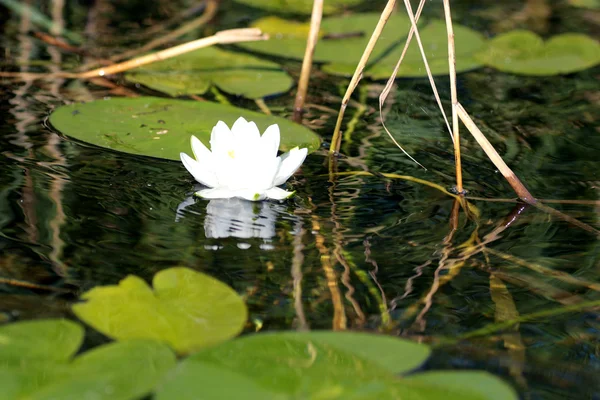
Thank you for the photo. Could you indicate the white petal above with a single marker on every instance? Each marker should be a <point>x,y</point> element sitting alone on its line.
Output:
<point>278,193</point>
<point>201,152</point>
<point>243,129</point>
<point>217,193</point>
<point>290,162</point>
<point>264,173</point>
<point>239,126</point>
<point>200,171</point>
<point>246,139</point>
<point>269,141</point>
<point>221,139</point>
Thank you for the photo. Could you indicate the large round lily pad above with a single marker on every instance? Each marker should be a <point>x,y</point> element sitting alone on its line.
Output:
<point>158,127</point>
<point>36,362</point>
<point>434,38</point>
<point>187,309</point>
<point>47,340</point>
<point>345,38</point>
<point>322,365</point>
<point>524,52</point>
<point>593,4</point>
<point>194,73</point>
<point>299,6</point>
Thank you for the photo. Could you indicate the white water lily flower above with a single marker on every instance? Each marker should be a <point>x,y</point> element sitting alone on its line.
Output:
<point>242,163</point>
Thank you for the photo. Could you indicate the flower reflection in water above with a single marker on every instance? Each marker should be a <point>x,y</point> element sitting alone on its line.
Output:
<point>239,218</point>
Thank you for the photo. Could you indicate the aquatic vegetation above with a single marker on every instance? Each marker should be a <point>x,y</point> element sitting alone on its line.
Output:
<point>345,37</point>
<point>186,309</point>
<point>332,365</point>
<point>37,356</point>
<point>371,244</point>
<point>242,163</point>
<point>195,72</point>
<point>38,362</point>
<point>343,40</point>
<point>524,52</point>
<point>299,6</point>
<point>160,127</point>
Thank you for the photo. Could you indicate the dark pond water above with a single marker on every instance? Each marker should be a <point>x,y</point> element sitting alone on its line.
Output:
<point>73,217</point>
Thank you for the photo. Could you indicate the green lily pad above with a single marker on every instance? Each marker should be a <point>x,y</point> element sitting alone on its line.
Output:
<point>299,6</point>
<point>187,309</point>
<point>158,127</point>
<point>593,4</point>
<point>49,340</point>
<point>195,72</point>
<point>524,52</point>
<point>476,385</point>
<point>345,38</point>
<point>434,37</point>
<point>395,355</point>
<point>316,365</point>
<point>35,363</point>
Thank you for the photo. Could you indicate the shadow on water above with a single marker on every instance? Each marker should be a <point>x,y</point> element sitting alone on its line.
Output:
<point>353,252</point>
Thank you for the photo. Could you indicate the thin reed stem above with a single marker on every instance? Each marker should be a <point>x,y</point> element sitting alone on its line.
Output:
<point>336,140</point>
<point>390,83</point>
<point>493,155</point>
<point>223,37</point>
<point>313,37</point>
<point>454,97</point>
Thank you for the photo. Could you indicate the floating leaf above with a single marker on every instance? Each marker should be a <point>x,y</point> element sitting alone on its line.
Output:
<point>524,52</point>
<point>35,363</point>
<point>273,366</point>
<point>593,4</point>
<point>441,385</point>
<point>187,309</point>
<point>49,340</point>
<point>395,355</point>
<point>346,37</point>
<point>285,28</point>
<point>319,365</point>
<point>299,6</point>
<point>434,37</point>
<point>157,127</point>
<point>195,72</point>
<point>123,370</point>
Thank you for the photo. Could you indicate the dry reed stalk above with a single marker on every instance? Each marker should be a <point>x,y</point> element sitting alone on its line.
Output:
<point>32,286</point>
<point>454,96</point>
<point>385,15</point>
<point>510,176</point>
<point>223,37</point>
<point>209,13</point>
<point>493,155</point>
<point>311,42</point>
<point>390,83</point>
<point>260,103</point>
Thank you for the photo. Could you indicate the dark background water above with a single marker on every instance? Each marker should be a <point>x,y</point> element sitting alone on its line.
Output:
<point>74,216</point>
